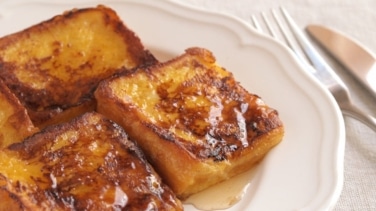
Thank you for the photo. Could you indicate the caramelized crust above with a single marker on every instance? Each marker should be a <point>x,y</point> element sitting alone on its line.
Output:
<point>88,164</point>
<point>9,202</point>
<point>15,124</point>
<point>53,67</point>
<point>196,124</point>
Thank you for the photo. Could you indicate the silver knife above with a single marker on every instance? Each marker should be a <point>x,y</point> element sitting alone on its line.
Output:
<point>360,61</point>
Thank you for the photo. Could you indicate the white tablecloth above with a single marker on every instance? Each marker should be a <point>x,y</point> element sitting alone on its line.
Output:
<point>356,18</point>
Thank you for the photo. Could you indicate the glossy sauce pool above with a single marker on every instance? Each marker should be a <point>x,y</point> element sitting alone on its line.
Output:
<point>223,195</point>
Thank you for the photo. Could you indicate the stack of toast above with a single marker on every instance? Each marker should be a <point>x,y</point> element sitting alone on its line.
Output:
<point>91,120</point>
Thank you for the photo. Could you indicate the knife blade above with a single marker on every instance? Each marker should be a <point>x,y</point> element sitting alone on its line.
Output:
<point>355,57</point>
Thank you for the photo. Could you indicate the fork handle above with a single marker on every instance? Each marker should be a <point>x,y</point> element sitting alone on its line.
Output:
<point>353,111</point>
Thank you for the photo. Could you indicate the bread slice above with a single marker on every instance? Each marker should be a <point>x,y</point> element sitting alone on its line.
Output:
<point>195,123</point>
<point>87,164</point>
<point>53,67</point>
<point>15,124</point>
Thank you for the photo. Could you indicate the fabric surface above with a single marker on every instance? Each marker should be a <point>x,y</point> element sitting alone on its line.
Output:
<point>357,19</point>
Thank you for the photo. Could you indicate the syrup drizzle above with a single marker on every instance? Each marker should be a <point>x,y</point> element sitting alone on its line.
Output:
<point>223,195</point>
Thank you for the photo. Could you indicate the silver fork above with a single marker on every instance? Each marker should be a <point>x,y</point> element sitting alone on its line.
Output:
<point>296,40</point>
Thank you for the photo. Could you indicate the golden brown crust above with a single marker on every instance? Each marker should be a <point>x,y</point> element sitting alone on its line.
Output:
<point>9,202</point>
<point>192,119</point>
<point>87,164</point>
<point>55,65</point>
<point>15,124</point>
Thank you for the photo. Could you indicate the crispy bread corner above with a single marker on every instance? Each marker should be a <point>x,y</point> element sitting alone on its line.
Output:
<point>15,124</point>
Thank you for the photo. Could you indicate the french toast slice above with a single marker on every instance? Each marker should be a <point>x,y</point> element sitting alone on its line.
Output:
<point>15,124</point>
<point>195,123</point>
<point>54,67</point>
<point>86,164</point>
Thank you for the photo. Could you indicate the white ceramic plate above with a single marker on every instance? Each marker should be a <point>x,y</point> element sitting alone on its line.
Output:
<point>305,170</point>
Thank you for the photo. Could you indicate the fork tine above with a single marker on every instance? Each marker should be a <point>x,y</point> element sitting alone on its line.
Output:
<point>256,24</point>
<point>284,37</point>
<point>288,38</point>
<point>314,57</point>
<point>269,26</point>
<point>310,51</point>
<point>281,27</point>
